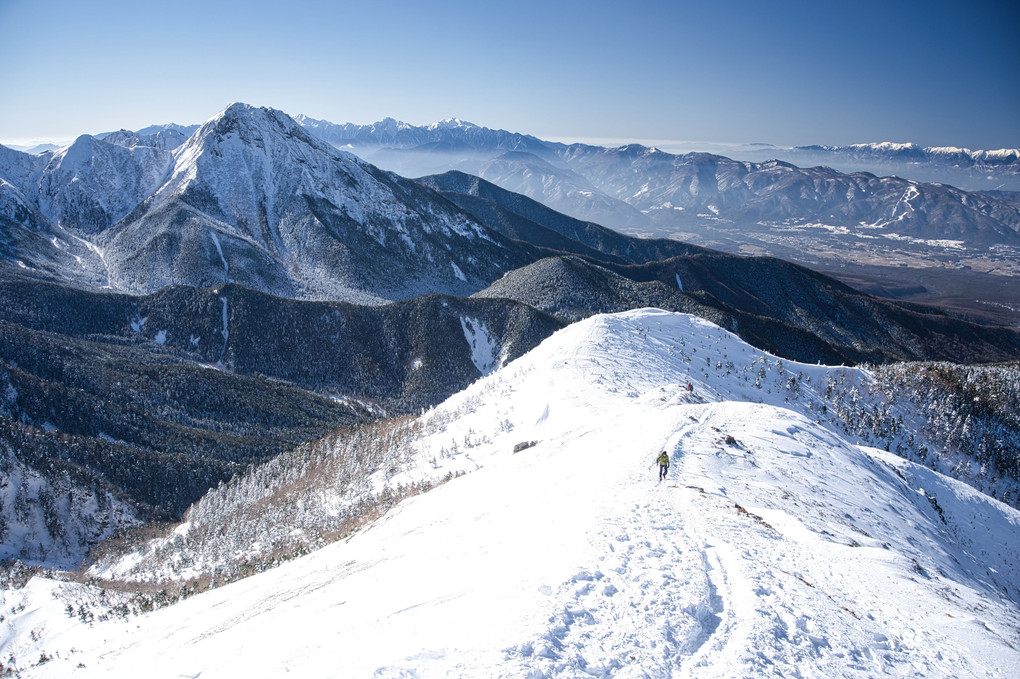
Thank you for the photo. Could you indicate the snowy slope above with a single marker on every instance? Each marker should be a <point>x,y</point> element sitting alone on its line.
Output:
<point>91,184</point>
<point>34,243</point>
<point>777,547</point>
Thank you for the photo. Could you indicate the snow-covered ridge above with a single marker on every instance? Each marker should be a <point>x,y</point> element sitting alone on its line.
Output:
<point>605,357</point>
<point>90,184</point>
<point>776,544</point>
<point>893,149</point>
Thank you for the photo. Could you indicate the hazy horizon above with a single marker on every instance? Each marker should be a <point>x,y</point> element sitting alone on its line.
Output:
<point>792,73</point>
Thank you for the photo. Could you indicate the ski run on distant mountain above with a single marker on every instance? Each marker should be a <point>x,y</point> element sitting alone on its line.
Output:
<point>776,546</point>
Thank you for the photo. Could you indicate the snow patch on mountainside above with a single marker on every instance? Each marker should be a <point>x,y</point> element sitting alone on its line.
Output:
<point>219,251</point>
<point>485,348</point>
<point>224,330</point>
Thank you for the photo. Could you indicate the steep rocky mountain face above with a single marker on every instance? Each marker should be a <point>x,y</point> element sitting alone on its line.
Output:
<point>32,243</point>
<point>89,185</point>
<point>92,184</point>
<point>298,217</point>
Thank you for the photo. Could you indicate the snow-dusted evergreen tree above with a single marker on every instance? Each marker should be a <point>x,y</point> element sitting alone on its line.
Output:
<point>960,420</point>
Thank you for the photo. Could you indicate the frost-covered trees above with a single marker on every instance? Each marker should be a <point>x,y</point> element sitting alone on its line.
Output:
<point>299,501</point>
<point>960,420</point>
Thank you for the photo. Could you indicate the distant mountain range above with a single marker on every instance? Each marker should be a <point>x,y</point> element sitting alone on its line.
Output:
<point>634,187</point>
<point>447,134</point>
<point>767,206</point>
<point>969,170</point>
<point>987,169</point>
<point>928,225</point>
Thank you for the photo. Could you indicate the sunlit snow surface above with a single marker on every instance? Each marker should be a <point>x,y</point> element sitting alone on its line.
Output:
<point>776,547</point>
<point>485,349</point>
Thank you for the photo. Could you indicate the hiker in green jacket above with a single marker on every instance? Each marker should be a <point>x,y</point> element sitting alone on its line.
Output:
<point>663,461</point>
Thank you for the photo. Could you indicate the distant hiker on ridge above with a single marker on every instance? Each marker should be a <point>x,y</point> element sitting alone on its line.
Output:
<point>663,461</point>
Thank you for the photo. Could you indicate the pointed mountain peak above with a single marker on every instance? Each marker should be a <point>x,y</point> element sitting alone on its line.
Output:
<point>247,141</point>
<point>81,152</point>
<point>244,129</point>
<point>390,126</point>
<point>240,116</point>
<point>238,108</point>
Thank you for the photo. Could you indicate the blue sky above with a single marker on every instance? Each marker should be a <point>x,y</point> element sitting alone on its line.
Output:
<point>784,72</point>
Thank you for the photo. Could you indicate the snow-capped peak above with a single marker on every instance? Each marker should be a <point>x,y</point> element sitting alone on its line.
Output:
<point>999,155</point>
<point>234,151</point>
<point>932,152</point>
<point>251,184</point>
<point>391,125</point>
<point>451,124</point>
<point>247,119</point>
